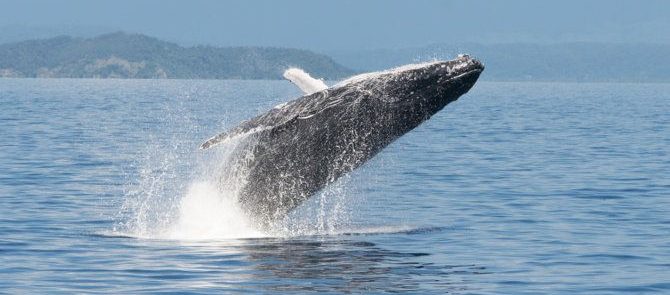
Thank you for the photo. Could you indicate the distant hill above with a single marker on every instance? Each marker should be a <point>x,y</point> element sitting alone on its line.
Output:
<point>122,55</point>
<point>589,62</point>
<point>17,33</point>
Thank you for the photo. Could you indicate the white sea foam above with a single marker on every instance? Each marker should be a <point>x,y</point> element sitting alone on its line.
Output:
<point>207,213</point>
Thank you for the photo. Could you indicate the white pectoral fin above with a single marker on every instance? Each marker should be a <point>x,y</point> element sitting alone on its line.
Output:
<point>304,81</point>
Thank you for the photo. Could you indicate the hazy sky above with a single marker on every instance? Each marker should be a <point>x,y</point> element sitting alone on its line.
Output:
<point>348,24</point>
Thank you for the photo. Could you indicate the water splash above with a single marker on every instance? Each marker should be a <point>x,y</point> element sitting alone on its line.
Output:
<point>207,213</point>
<point>184,194</point>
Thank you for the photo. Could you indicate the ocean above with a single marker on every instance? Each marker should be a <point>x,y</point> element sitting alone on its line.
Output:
<point>516,188</point>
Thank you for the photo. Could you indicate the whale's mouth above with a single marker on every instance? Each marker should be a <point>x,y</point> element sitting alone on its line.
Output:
<point>461,67</point>
<point>466,74</point>
<point>451,78</point>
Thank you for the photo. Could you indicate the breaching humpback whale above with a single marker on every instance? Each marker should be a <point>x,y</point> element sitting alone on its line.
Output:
<point>301,146</point>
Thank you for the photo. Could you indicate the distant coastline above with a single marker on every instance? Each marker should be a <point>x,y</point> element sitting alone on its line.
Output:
<point>136,56</point>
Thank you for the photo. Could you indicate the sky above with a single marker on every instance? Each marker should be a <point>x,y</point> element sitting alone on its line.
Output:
<point>328,25</point>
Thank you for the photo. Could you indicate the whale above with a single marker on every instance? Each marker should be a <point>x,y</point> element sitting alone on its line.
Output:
<point>297,148</point>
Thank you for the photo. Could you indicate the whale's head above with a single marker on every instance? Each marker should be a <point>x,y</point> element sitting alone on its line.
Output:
<point>424,84</point>
<point>435,83</point>
<point>411,94</point>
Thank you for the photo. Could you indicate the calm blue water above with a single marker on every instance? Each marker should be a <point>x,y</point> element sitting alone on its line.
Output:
<point>518,188</point>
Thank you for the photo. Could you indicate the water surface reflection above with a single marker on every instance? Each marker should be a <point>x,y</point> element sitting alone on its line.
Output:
<point>336,265</point>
